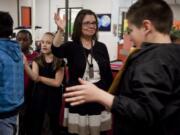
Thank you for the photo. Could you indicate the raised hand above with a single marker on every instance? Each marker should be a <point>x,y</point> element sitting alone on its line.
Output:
<point>60,22</point>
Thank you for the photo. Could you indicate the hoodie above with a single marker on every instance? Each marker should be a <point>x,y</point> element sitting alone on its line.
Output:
<point>11,78</point>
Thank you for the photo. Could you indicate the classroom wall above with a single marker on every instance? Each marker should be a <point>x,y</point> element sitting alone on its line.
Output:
<point>43,16</point>
<point>176,11</point>
<point>45,10</point>
<point>11,7</point>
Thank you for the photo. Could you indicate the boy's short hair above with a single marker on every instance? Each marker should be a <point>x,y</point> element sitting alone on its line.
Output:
<point>26,32</point>
<point>6,24</point>
<point>157,11</point>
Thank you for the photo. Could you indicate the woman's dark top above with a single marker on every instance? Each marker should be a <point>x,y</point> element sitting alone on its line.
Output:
<point>75,54</point>
<point>148,100</point>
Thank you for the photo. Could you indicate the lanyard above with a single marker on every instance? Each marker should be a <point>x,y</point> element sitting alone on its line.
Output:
<point>90,64</point>
<point>91,53</point>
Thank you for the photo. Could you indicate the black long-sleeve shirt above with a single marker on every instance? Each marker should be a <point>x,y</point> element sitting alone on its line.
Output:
<point>148,100</point>
<point>75,54</point>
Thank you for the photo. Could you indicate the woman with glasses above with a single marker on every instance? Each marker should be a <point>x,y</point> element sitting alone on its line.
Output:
<point>88,59</point>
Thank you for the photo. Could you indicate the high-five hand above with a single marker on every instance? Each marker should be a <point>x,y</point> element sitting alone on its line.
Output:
<point>60,22</point>
<point>79,94</point>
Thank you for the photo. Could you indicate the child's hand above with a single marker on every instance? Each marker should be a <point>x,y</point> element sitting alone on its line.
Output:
<point>25,62</point>
<point>79,94</point>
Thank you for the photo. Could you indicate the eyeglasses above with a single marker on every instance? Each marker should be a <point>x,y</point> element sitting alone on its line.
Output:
<point>87,24</point>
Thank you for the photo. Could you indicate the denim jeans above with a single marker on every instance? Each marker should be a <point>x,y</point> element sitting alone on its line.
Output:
<point>8,125</point>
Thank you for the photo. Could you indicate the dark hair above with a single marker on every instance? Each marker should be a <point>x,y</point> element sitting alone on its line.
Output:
<point>56,61</point>
<point>77,29</point>
<point>157,11</point>
<point>6,25</point>
<point>26,32</point>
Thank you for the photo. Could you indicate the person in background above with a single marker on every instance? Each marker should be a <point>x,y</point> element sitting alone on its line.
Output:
<point>47,71</point>
<point>87,58</point>
<point>24,38</point>
<point>146,99</point>
<point>11,77</point>
<point>175,38</point>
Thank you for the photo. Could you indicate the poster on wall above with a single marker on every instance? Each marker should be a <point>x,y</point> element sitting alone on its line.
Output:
<point>26,16</point>
<point>104,22</point>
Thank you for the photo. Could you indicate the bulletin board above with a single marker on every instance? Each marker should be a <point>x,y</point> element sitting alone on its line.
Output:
<point>26,16</point>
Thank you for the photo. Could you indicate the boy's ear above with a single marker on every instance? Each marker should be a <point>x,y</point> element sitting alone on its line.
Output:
<point>147,24</point>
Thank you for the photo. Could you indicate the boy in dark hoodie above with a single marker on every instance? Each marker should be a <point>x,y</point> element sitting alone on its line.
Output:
<point>11,77</point>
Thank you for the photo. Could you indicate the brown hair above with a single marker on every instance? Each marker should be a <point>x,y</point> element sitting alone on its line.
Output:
<point>77,29</point>
<point>157,11</point>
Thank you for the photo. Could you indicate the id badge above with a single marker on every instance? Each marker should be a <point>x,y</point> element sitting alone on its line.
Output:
<point>91,71</point>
